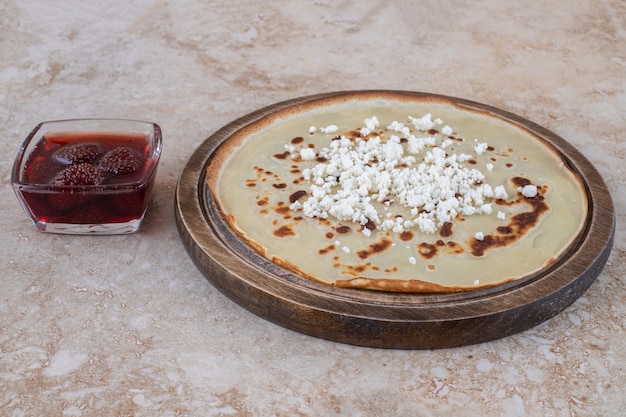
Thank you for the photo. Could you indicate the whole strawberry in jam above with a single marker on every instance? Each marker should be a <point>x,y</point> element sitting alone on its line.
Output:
<point>79,174</point>
<point>121,161</point>
<point>82,174</point>
<point>75,153</point>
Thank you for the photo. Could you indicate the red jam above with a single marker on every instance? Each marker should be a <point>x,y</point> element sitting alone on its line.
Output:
<point>89,178</point>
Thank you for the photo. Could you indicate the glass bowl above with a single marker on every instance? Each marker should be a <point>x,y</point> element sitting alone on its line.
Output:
<point>87,176</point>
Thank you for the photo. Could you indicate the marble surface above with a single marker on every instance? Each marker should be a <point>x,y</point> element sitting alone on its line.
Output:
<point>127,326</point>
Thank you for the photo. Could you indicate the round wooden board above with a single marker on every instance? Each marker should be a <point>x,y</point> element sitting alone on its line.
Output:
<point>379,319</point>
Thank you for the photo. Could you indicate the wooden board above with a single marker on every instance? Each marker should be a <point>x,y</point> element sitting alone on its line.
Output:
<point>378,319</point>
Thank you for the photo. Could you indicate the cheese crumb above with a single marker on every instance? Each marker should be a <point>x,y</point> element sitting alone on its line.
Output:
<point>480,148</point>
<point>501,215</point>
<point>500,193</point>
<point>372,123</point>
<point>528,190</point>
<point>346,249</point>
<point>447,130</point>
<point>307,154</point>
<point>446,143</point>
<point>423,123</point>
<point>479,236</point>
<point>312,129</point>
<point>412,260</point>
<point>329,129</point>
<point>476,282</point>
<point>399,127</point>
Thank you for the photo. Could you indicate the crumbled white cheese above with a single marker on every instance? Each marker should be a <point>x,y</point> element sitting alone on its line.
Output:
<point>359,175</point>
<point>500,193</point>
<point>468,210</point>
<point>528,190</point>
<point>447,130</point>
<point>446,143</point>
<point>372,123</point>
<point>479,236</point>
<point>423,123</point>
<point>399,127</point>
<point>480,148</point>
<point>489,167</point>
<point>412,260</point>
<point>476,282</point>
<point>307,154</point>
<point>312,129</point>
<point>346,249</point>
<point>501,215</point>
<point>329,129</point>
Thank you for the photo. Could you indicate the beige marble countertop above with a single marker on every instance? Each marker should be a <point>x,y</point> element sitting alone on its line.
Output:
<point>127,326</point>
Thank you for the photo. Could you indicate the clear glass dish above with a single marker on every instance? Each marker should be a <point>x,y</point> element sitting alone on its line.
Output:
<point>87,176</point>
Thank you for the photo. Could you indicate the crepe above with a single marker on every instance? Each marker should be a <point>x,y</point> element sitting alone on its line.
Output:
<point>517,209</point>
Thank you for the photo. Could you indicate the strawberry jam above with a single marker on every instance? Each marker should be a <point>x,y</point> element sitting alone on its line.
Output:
<point>94,179</point>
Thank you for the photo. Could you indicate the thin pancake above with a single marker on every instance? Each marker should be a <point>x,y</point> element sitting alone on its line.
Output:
<point>257,175</point>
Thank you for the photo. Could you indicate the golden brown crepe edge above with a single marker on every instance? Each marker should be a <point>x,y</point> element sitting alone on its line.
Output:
<point>410,286</point>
